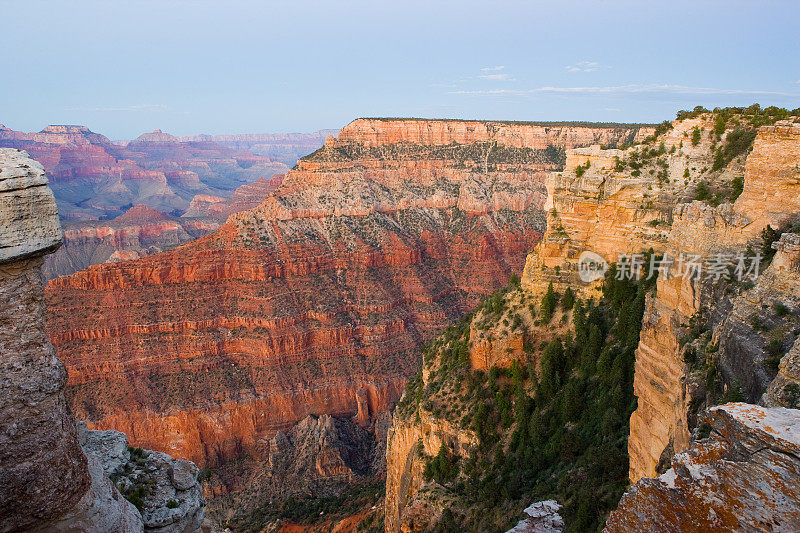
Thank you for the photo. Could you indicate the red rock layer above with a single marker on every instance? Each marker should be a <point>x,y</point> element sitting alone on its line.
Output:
<point>315,302</point>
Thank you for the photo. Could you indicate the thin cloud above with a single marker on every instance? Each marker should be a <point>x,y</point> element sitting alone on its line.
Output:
<point>493,69</point>
<point>626,89</point>
<point>503,76</point>
<point>584,66</point>
<point>494,92</point>
<point>128,108</point>
<point>612,109</point>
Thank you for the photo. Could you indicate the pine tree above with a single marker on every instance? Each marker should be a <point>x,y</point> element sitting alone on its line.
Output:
<point>548,304</point>
<point>552,368</point>
<point>568,300</point>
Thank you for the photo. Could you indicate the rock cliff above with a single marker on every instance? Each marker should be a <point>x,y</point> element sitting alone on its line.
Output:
<point>663,419</point>
<point>44,471</point>
<point>47,481</point>
<point>611,202</point>
<point>374,132</point>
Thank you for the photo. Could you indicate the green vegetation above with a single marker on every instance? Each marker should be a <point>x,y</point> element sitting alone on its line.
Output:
<point>443,467</point>
<point>134,488</point>
<point>568,300</point>
<point>661,129</point>
<point>695,136</point>
<point>696,112</point>
<point>562,435</point>
<point>737,142</point>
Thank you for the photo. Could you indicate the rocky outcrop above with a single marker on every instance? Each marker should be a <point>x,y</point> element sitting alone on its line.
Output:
<point>47,482</point>
<point>744,477</point>
<point>312,303</point>
<point>543,517</point>
<point>166,490</point>
<point>44,474</point>
<point>29,216</point>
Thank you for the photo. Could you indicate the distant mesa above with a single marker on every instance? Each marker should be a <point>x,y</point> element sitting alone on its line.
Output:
<point>139,214</point>
<point>156,136</point>
<point>66,128</point>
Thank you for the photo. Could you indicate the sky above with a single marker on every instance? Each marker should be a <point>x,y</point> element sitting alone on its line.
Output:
<point>247,66</point>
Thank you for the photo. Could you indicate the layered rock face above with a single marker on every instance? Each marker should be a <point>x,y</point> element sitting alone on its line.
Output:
<point>47,481</point>
<point>312,303</point>
<point>744,477</point>
<point>93,178</point>
<point>138,232</point>
<point>374,132</point>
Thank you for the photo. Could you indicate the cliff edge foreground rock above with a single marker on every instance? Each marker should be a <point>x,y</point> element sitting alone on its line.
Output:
<point>48,482</point>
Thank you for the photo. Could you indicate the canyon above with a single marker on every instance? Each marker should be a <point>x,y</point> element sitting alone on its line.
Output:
<point>103,188</point>
<point>284,147</point>
<point>142,231</point>
<point>314,302</point>
<point>281,349</point>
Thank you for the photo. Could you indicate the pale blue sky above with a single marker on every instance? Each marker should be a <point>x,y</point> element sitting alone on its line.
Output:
<point>123,68</point>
